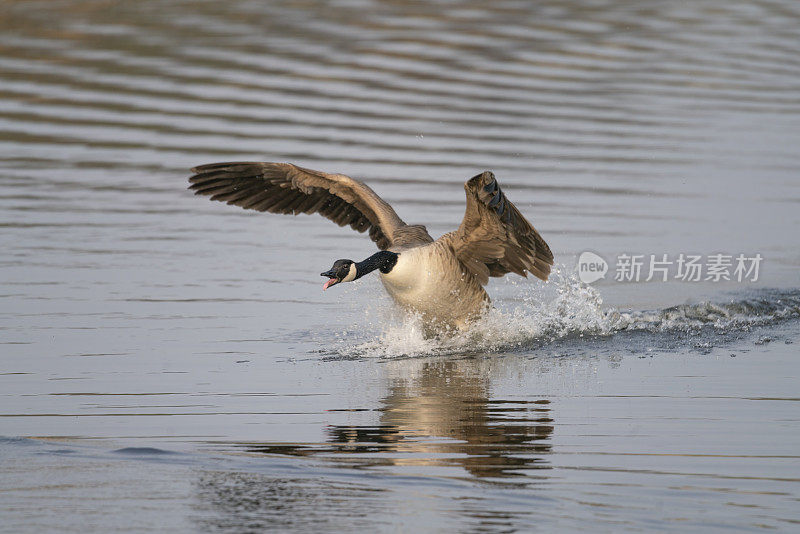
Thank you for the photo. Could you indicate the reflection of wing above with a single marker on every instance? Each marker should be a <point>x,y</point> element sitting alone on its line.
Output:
<point>286,188</point>
<point>494,238</point>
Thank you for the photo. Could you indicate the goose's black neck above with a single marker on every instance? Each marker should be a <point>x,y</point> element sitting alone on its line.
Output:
<point>383,260</point>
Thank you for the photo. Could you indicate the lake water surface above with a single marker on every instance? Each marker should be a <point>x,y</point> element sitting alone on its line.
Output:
<point>172,364</point>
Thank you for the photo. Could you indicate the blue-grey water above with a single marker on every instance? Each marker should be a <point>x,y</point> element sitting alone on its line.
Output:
<point>172,364</point>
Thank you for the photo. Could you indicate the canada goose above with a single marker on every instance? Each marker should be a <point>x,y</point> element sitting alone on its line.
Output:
<point>442,280</point>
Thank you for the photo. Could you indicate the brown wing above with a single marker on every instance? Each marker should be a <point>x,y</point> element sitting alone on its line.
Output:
<point>494,238</point>
<point>286,188</point>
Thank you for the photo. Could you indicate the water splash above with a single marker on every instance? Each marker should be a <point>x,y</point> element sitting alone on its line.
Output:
<point>576,310</point>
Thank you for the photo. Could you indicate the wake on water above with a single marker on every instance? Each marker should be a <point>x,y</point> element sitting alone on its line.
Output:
<point>575,312</point>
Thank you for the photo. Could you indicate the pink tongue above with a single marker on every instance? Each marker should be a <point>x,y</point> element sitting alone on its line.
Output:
<point>329,283</point>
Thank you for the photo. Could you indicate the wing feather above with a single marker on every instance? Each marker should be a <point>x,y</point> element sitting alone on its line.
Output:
<point>494,237</point>
<point>287,188</point>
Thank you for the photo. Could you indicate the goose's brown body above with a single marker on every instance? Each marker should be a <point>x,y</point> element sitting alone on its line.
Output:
<point>443,279</point>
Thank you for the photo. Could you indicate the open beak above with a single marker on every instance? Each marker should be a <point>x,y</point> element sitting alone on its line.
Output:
<point>332,279</point>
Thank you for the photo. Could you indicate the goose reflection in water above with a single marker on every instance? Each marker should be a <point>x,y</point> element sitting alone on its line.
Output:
<point>439,414</point>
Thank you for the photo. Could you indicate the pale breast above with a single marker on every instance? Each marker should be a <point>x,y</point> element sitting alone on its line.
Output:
<point>430,281</point>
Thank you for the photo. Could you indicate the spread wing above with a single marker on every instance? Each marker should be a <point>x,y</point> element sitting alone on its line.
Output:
<point>286,188</point>
<point>494,238</point>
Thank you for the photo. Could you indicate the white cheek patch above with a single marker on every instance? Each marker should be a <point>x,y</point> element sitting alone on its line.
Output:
<point>350,275</point>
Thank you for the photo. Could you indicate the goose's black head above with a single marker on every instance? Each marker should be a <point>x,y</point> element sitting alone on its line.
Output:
<point>342,271</point>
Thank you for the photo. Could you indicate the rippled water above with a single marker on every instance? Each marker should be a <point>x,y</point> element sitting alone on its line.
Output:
<point>167,363</point>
